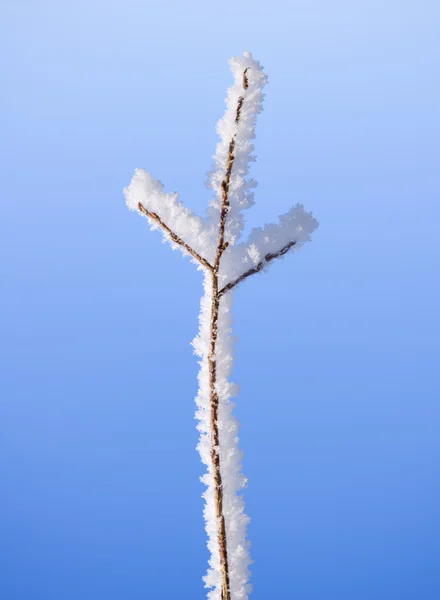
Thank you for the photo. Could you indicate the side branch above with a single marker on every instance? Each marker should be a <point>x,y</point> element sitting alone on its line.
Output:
<point>257,268</point>
<point>174,237</point>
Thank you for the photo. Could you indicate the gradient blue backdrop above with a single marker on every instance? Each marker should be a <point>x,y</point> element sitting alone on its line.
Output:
<point>338,347</point>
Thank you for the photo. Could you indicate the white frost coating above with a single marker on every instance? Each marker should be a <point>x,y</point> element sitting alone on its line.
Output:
<point>191,228</point>
<point>230,457</point>
<point>240,189</point>
<point>295,225</point>
<point>201,235</point>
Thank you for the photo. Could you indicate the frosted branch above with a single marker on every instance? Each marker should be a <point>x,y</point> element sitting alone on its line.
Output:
<point>244,97</point>
<point>175,238</point>
<point>193,233</point>
<point>212,243</point>
<point>257,268</point>
<point>293,230</point>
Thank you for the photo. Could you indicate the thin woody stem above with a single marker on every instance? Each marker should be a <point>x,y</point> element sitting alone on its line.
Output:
<point>257,268</point>
<point>174,236</point>
<point>221,245</point>
<point>212,363</point>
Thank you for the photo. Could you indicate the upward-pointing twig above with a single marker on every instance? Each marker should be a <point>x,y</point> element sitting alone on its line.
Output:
<point>214,400</point>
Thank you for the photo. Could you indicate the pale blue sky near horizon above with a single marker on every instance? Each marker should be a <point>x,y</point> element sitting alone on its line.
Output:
<point>337,351</point>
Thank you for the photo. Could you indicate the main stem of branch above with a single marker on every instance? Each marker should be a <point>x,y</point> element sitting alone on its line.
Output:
<point>215,443</point>
<point>214,399</point>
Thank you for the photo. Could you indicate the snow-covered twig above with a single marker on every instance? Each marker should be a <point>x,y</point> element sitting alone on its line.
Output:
<point>213,245</point>
<point>175,238</point>
<point>257,268</point>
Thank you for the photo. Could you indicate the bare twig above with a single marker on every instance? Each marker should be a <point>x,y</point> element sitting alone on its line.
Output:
<point>174,236</point>
<point>256,269</point>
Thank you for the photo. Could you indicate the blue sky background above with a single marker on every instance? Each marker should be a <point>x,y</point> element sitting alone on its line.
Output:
<point>338,346</point>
